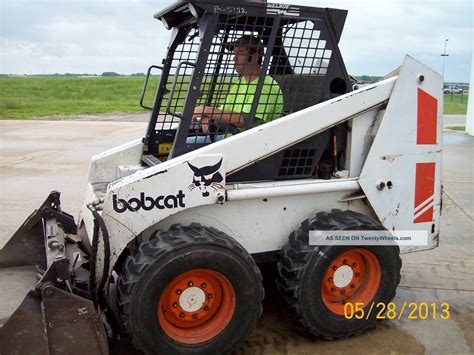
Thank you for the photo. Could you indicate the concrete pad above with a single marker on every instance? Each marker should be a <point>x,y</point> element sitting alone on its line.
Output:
<point>458,170</point>
<point>454,120</point>
<point>51,155</point>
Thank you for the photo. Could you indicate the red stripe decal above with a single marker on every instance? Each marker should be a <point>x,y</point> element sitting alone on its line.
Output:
<point>427,118</point>
<point>424,189</point>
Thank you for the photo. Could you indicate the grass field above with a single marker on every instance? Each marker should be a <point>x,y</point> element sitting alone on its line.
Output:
<point>457,128</point>
<point>455,104</point>
<point>26,97</point>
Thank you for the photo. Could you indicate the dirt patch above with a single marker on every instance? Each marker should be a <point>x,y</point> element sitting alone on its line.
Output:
<point>465,321</point>
<point>278,333</point>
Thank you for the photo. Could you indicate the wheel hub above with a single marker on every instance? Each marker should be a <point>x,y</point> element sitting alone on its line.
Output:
<point>196,306</point>
<point>192,299</point>
<point>353,276</point>
<point>343,276</point>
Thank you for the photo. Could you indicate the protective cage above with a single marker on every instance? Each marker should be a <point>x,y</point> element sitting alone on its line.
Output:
<point>300,65</point>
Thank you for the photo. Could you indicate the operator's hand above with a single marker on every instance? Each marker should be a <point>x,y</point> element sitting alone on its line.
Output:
<point>200,115</point>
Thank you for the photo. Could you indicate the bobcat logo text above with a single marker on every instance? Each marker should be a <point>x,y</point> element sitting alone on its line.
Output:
<point>148,203</point>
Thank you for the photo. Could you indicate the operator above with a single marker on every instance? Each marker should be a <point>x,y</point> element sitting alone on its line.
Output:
<point>248,54</point>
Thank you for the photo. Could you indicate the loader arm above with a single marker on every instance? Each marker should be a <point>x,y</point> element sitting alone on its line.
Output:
<point>276,135</point>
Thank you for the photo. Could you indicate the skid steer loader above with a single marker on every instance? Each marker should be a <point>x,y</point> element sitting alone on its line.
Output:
<point>256,140</point>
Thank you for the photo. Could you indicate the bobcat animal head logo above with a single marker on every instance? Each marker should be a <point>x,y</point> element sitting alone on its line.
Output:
<point>206,178</point>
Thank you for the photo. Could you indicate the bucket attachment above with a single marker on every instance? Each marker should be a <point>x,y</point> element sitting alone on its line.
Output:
<point>27,246</point>
<point>54,322</point>
<point>54,317</point>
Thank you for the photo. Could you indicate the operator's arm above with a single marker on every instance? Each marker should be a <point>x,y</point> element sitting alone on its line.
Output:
<point>208,113</point>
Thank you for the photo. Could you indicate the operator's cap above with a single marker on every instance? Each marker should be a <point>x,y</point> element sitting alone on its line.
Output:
<point>246,41</point>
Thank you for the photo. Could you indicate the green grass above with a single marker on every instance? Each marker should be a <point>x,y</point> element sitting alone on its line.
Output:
<point>457,128</point>
<point>453,104</point>
<point>26,97</point>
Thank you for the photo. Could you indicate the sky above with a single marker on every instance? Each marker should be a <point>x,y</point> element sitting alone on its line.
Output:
<point>94,36</point>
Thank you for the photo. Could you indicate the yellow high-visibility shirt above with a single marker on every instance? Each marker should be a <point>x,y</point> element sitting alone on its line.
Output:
<point>241,94</point>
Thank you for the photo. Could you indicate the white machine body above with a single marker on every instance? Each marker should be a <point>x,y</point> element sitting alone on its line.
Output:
<point>393,163</point>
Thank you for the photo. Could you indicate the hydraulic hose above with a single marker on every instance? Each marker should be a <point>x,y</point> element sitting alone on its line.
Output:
<point>99,226</point>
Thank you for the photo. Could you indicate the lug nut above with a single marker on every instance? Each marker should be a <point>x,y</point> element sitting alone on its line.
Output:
<point>181,315</point>
<point>344,262</point>
<point>209,295</point>
<point>175,305</point>
<point>354,265</point>
<point>334,268</point>
<point>203,285</point>
<point>333,289</point>
<point>330,279</point>
<point>195,316</point>
<point>206,308</point>
<point>353,286</point>
<point>178,291</point>
<point>190,283</point>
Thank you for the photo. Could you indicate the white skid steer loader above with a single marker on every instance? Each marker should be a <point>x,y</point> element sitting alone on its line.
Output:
<point>256,141</point>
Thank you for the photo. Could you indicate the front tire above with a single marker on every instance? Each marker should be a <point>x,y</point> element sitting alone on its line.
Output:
<point>190,290</point>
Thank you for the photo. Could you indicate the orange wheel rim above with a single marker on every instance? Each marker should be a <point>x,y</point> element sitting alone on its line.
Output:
<point>353,276</point>
<point>196,306</point>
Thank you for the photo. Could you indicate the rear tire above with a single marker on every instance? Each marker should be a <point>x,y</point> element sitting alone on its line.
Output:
<point>307,276</point>
<point>190,289</point>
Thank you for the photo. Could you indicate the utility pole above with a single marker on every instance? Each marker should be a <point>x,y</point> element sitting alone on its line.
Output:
<point>470,102</point>
<point>444,55</point>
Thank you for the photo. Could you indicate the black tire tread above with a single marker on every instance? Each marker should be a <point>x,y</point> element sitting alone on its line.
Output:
<point>161,243</point>
<point>297,251</point>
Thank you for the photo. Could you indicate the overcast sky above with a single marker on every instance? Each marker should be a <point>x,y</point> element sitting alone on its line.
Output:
<point>93,36</point>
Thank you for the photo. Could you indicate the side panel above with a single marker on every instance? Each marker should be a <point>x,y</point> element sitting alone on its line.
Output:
<point>262,225</point>
<point>104,166</point>
<point>406,155</point>
<point>103,169</point>
<point>130,209</point>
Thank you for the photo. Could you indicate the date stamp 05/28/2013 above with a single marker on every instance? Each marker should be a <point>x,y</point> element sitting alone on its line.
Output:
<point>392,310</point>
